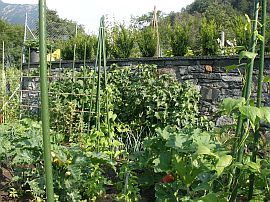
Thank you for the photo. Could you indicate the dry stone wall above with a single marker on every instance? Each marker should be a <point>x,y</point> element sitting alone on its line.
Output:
<point>207,73</point>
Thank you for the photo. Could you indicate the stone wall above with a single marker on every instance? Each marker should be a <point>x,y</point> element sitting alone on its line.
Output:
<point>207,73</point>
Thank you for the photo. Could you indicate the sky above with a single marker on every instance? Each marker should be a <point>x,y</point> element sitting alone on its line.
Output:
<point>88,12</point>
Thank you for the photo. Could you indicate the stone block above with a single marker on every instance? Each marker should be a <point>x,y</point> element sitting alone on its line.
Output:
<point>206,93</point>
<point>232,78</point>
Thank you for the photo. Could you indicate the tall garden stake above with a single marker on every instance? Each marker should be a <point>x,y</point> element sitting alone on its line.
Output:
<point>105,77</point>
<point>84,55</point>
<point>92,81</point>
<point>98,62</point>
<point>74,59</point>
<point>246,92</point>
<point>44,101</point>
<point>259,96</point>
<point>3,81</point>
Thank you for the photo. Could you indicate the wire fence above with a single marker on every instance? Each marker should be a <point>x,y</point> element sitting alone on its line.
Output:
<point>55,30</point>
<point>20,88</point>
<point>68,89</point>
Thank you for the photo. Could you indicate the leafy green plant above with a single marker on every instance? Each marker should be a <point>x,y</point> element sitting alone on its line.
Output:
<point>188,163</point>
<point>242,32</point>
<point>82,42</point>
<point>10,84</point>
<point>208,37</point>
<point>128,185</point>
<point>147,41</point>
<point>255,115</point>
<point>74,168</point>
<point>139,97</point>
<point>148,99</point>
<point>179,39</point>
<point>122,41</point>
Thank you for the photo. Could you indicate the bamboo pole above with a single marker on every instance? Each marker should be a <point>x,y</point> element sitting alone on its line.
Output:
<point>155,27</point>
<point>44,101</point>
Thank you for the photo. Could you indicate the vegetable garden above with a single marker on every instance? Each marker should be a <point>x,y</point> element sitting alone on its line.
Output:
<point>134,133</point>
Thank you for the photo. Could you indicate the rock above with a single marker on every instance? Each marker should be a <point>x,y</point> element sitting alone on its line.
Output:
<point>232,78</point>
<point>223,121</point>
<point>206,93</point>
<point>215,94</point>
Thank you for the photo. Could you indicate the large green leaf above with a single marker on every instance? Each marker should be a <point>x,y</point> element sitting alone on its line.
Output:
<point>252,113</point>
<point>201,137</point>
<point>223,162</point>
<point>230,104</point>
<point>246,54</point>
<point>253,167</point>
<point>163,133</point>
<point>211,197</point>
<point>163,162</point>
<point>266,79</point>
<point>265,111</point>
<point>204,150</point>
<point>185,169</point>
<point>177,141</point>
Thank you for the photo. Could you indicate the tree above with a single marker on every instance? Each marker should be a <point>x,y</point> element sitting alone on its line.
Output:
<point>199,6</point>
<point>242,32</point>
<point>12,35</point>
<point>58,28</point>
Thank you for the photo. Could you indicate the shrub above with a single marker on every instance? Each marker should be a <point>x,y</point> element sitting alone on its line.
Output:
<point>179,39</point>
<point>209,35</point>
<point>67,47</point>
<point>242,32</point>
<point>144,97</point>
<point>122,42</point>
<point>147,42</point>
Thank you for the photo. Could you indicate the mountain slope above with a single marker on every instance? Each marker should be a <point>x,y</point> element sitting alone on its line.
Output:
<point>15,13</point>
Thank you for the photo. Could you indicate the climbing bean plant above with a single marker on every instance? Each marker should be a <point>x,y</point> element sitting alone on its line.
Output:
<point>140,98</point>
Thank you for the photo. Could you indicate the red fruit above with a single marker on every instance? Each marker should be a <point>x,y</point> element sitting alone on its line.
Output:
<point>167,178</point>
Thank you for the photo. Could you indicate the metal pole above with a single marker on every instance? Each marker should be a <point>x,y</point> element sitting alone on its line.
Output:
<point>3,56</point>
<point>98,83</point>
<point>3,80</point>
<point>247,92</point>
<point>84,56</point>
<point>259,96</point>
<point>44,101</point>
<point>74,58</point>
<point>24,36</point>
<point>105,74</point>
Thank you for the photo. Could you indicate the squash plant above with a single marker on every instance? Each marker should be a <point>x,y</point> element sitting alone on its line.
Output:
<point>185,165</point>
